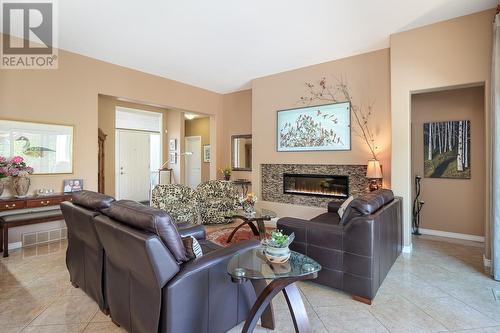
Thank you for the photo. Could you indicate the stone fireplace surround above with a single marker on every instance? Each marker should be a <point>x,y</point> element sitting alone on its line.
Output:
<point>272,182</point>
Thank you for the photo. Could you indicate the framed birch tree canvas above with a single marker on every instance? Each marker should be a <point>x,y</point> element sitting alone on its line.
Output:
<point>447,149</point>
<point>315,128</point>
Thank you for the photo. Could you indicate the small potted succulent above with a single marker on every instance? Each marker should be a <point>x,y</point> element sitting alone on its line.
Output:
<point>226,172</point>
<point>19,171</point>
<point>276,247</point>
<point>248,203</point>
<point>4,172</point>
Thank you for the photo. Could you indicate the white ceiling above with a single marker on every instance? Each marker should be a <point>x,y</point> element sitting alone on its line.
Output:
<point>221,45</point>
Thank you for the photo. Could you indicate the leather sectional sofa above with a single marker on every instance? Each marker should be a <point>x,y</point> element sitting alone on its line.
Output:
<point>129,258</point>
<point>357,250</point>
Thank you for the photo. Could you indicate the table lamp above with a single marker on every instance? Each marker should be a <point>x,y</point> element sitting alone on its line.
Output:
<point>374,173</point>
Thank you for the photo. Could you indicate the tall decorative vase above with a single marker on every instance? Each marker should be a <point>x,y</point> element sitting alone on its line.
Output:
<point>21,185</point>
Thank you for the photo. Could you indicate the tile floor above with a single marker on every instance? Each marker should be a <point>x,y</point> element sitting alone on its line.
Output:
<point>440,287</point>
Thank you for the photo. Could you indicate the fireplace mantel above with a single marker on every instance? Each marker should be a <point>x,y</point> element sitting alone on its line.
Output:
<point>273,189</point>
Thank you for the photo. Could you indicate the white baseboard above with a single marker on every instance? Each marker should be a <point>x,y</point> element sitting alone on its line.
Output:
<point>452,235</point>
<point>486,262</point>
<point>15,245</point>
<point>407,248</point>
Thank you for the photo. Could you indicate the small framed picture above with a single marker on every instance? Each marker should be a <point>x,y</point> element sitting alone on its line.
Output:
<point>172,158</point>
<point>72,185</point>
<point>172,144</point>
<point>206,154</point>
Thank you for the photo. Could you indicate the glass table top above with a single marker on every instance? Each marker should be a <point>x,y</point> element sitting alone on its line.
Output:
<point>254,265</point>
<point>257,214</point>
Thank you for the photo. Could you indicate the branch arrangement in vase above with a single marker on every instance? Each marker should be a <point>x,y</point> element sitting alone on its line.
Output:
<point>338,92</point>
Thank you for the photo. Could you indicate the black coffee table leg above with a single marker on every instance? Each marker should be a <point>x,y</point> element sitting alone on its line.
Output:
<point>294,300</point>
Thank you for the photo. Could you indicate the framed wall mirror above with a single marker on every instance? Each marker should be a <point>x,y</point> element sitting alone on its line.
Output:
<point>241,152</point>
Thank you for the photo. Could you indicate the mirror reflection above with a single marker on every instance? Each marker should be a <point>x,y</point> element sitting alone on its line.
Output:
<point>241,152</point>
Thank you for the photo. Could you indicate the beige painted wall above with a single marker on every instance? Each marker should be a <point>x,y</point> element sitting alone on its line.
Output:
<point>200,127</point>
<point>368,79</point>
<point>452,205</point>
<point>237,120</point>
<point>444,54</point>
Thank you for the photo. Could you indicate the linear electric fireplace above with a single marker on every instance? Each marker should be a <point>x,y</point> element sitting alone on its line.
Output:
<point>316,185</point>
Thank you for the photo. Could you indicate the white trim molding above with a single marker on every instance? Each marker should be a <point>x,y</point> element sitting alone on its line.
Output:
<point>407,248</point>
<point>452,235</point>
<point>486,261</point>
<point>15,245</point>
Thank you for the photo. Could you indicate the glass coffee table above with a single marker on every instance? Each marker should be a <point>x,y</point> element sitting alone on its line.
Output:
<point>254,220</point>
<point>253,265</point>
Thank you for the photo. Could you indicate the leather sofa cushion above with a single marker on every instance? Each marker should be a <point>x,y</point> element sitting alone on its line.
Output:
<point>328,218</point>
<point>92,200</point>
<point>370,202</point>
<point>366,204</point>
<point>150,219</point>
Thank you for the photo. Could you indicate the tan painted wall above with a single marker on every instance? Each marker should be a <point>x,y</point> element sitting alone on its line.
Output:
<point>237,120</point>
<point>200,127</point>
<point>368,79</point>
<point>444,54</point>
<point>453,205</point>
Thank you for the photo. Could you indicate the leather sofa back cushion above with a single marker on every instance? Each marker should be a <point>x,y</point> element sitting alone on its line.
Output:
<point>92,200</point>
<point>150,219</point>
<point>367,204</point>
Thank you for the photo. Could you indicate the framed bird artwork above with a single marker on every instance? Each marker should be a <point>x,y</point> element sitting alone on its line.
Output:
<point>48,148</point>
<point>315,128</point>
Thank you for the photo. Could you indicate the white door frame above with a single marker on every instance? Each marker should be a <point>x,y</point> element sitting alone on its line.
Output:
<point>186,171</point>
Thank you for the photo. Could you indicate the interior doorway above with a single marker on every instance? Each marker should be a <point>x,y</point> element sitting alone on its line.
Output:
<point>193,161</point>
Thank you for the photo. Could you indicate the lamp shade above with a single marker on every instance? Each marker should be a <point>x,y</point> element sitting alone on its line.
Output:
<point>373,170</point>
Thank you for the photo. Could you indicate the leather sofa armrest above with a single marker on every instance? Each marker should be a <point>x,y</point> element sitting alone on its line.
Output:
<point>197,231</point>
<point>333,206</point>
<point>212,259</point>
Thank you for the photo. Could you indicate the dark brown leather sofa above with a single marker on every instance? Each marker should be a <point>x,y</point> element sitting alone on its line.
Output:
<point>85,254</point>
<point>357,251</point>
<point>151,287</point>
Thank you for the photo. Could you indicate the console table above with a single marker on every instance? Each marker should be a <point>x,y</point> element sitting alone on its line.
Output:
<point>16,212</point>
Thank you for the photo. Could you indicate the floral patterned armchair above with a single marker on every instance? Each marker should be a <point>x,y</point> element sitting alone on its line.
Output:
<point>217,199</point>
<point>179,201</point>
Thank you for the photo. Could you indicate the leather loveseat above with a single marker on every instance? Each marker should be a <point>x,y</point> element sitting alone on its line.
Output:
<point>357,250</point>
<point>150,284</point>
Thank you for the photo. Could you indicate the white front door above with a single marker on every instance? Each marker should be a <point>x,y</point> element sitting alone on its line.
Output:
<point>133,171</point>
<point>193,162</point>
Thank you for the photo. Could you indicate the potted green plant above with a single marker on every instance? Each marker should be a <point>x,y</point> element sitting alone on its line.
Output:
<point>226,172</point>
<point>276,248</point>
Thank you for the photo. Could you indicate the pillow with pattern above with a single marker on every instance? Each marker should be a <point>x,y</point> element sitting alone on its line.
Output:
<point>193,248</point>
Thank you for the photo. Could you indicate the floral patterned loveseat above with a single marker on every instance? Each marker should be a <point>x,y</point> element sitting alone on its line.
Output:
<point>216,199</point>
<point>177,200</point>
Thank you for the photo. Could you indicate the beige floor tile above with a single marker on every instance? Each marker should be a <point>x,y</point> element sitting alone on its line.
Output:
<point>103,328</point>
<point>68,310</point>
<point>318,295</point>
<point>21,311</point>
<point>400,315</point>
<point>71,328</point>
<point>349,318</point>
<point>495,329</point>
<point>100,317</point>
<point>456,315</point>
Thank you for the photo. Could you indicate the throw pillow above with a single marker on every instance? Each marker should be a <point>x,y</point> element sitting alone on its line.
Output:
<point>344,205</point>
<point>193,248</point>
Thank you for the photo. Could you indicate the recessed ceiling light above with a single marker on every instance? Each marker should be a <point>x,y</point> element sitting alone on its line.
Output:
<point>190,116</point>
